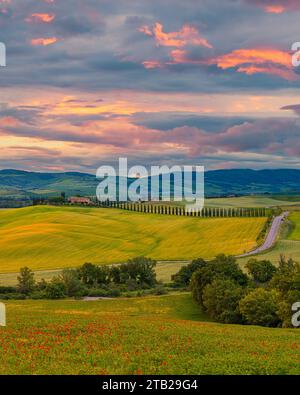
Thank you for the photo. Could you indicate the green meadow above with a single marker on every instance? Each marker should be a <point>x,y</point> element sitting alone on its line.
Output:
<point>150,335</point>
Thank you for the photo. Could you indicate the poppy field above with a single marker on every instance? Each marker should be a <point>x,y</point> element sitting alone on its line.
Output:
<point>150,335</point>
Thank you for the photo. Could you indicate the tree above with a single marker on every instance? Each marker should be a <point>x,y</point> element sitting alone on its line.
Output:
<point>261,271</point>
<point>71,281</point>
<point>221,300</point>
<point>184,275</point>
<point>26,281</point>
<point>260,307</point>
<point>56,289</point>
<point>141,270</point>
<point>88,274</point>
<point>221,267</point>
<point>285,278</point>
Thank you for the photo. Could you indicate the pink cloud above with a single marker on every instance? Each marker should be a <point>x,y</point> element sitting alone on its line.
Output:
<point>258,60</point>
<point>187,36</point>
<point>43,41</point>
<point>42,18</point>
<point>276,6</point>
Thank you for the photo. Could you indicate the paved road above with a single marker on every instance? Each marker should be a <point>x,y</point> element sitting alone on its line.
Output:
<point>272,235</point>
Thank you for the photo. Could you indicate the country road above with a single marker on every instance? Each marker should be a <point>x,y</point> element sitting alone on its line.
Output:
<point>271,238</point>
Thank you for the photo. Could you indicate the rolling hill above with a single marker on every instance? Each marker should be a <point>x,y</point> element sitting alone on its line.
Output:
<point>22,184</point>
<point>43,237</point>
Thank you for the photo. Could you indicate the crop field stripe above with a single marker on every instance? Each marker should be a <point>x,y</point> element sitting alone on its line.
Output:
<point>45,238</point>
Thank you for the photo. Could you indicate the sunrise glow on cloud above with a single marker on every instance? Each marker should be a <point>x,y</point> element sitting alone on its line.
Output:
<point>89,81</point>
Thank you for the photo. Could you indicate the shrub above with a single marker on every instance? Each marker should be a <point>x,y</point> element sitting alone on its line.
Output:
<point>12,296</point>
<point>8,290</point>
<point>56,289</point>
<point>37,295</point>
<point>260,307</point>
<point>160,290</point>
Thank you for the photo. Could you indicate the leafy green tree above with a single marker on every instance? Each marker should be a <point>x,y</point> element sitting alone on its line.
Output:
<point>261,271</point>
<point>56,289</point>
<point>221,300</point>
<point>141,270</point>
<point>115,274</point>
<point>184,275</point>
<point>72,283</point>
<point>26,281</point>
<point>87,273</point>
<point>287,276</point>
<point>221,267</point>
<point>260,307</point>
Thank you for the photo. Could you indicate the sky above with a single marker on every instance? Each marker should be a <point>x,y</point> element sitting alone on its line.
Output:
<point>162,82</point>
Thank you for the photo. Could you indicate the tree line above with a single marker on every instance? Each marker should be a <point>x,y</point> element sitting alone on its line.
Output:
<point>262,296</point>
<point>135,277</point>
<point>206,212</point>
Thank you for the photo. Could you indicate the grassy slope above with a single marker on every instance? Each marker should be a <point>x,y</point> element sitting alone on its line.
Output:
<point>249,201</point>
<point>158,335</point>
<point>46,238</point>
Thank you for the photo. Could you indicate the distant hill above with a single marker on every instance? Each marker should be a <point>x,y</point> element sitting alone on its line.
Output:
<point>23,184</point>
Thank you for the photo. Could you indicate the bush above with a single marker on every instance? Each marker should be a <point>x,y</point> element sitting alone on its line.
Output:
<point>12,296</point>
<point>37,295</point>
<point>160,290</point>
<point>261,271</point>
<point>56,289</point>
<point>221,300</point>
<point>260,307</point>
<point>8,290</point>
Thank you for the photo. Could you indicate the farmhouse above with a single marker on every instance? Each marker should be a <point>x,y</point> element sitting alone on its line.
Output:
<point>80,200</point>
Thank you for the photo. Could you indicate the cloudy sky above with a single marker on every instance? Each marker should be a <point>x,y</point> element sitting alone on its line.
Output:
<point>204,82</point>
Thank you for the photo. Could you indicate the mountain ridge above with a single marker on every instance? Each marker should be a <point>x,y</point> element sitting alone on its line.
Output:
<point>223,182</point>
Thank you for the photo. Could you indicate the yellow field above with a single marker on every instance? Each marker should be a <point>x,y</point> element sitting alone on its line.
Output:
<point>54,237</point>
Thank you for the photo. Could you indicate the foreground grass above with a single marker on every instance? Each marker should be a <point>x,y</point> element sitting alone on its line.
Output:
<point>45,238</point>
<point>153,335</point>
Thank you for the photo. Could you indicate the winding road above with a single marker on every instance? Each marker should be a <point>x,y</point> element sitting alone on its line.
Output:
<point>271,238</point>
